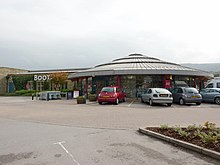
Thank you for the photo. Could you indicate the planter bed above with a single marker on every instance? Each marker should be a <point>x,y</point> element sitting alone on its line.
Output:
<point>203,139</point>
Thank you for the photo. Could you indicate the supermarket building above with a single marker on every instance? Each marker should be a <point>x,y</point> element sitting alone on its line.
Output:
<point>136,72</point>
<point>133,74</point>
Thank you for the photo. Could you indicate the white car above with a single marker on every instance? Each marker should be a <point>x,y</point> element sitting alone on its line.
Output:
<point>157,95</point>
<point>214,83</point>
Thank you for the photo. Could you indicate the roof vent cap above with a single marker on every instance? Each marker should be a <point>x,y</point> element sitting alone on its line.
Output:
<point>135,54</point>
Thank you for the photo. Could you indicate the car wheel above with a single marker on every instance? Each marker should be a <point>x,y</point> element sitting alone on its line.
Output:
<point>117,101</point>
<point>182,102</point>
<point>151,102</point>
<point>100,103</point>
<point>217,100</point>
<point>169,104</point>
<point>142,100</point>
<point>198,103</point>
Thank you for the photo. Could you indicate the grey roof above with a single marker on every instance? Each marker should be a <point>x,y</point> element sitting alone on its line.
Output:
<point>52,71</point>
<point>137,64</point>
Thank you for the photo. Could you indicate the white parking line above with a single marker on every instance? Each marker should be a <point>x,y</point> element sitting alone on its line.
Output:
<point>61,144</point>
<point>130,103</point>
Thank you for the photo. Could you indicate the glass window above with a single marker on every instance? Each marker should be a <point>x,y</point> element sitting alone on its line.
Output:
<point>207,91</point>
<point>179,90</point>
<point>158,90</point>
<point>203,90</point>
<point>191,90</point>
<point>175,90</point>
<point>218,85</point>
<point>128,85</point>
<point>212,90</point>
<point>209,85</point>
<point>106,89</point>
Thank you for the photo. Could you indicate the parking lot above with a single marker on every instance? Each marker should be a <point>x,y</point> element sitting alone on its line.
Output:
<point>129,115</point>
<point>63,132</point>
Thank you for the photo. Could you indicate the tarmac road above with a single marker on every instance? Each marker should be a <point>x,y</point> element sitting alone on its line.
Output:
<point>27,143</point>
<point>129,115</point>
<point>62,132</point>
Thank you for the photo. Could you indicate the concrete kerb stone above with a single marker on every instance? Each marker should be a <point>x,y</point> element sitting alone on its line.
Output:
<point>190,146</point>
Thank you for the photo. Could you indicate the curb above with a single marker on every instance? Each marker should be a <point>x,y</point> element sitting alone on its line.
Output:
<point>190,146</point>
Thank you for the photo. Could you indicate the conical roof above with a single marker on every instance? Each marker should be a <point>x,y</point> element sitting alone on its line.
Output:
<point>138,64</point>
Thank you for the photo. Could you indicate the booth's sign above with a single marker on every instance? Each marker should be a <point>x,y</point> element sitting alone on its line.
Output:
<point>41,77</point>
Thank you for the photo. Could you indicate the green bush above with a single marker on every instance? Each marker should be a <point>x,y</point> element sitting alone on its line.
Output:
<point>194,127</point>
<point>10,94</point>
<point>92,97</point>
<point>66,90</point>
<point>81,100</point>
<point>21,93</point>
<point>208,134</point>
<point>209,137</point>
<point>164,126</point>
<point>24,92</point>
<point>20,81</point>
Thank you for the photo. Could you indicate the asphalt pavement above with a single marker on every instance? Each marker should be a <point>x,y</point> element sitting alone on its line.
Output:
<point>37,132</point>
<point>26,143</point>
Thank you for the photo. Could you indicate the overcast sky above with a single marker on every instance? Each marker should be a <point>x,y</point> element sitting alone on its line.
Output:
<point>53,34</point>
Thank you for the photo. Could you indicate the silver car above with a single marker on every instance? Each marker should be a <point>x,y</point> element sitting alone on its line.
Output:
<point>157,95</point>
<point>185,95</point>
<point>211,95</point>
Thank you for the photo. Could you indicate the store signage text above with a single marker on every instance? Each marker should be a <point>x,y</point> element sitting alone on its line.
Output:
<point>41,77</point>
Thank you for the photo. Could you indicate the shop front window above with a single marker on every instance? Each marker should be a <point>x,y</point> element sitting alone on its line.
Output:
<point>135,86</point>
<point>103,81</point>
<point>128,85</point>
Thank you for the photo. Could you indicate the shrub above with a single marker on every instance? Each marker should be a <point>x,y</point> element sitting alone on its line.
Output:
<point>21,93</point>
<point>24,92</point>
<point>210,126</point>
<point>208,138</point>
<point>66,90</point>
<point>20,81</point>
<point>164,126</point>
<point>194,127</point>
<point>177,128</point>
<point>183,133</point>
<point>92,97</point>
<point>81,100</point>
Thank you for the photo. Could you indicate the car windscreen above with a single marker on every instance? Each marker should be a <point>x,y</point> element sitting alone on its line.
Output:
<point>158,90</point>
<point>106,89</point>
<point>191,90</point>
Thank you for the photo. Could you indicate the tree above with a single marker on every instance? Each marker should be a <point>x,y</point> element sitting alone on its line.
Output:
<point>20,81</point>
<point>58,78</point>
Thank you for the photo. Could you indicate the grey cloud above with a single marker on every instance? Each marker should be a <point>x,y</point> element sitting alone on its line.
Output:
<point>43,34</point>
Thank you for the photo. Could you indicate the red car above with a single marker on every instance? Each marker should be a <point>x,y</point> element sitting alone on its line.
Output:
<point>112,95</point>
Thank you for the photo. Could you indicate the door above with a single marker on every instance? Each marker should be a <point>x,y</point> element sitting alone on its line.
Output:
<point>211,95</point>
<point>205,95</point>
<point>148,95</point>
<point>176,92</point>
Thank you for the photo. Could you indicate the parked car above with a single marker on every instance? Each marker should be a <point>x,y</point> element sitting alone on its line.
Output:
<point>214,83</point>
<point>211,95</point>
<point>111,94</point>
<point>157,95</point>
<point>183,95</point>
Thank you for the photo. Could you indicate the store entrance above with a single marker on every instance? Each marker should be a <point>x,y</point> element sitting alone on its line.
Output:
<point>135,85</point>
